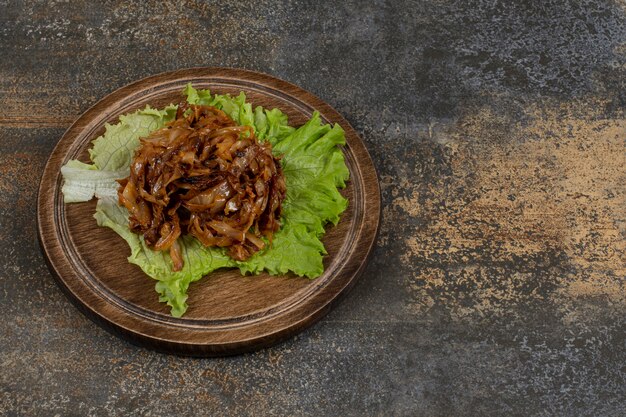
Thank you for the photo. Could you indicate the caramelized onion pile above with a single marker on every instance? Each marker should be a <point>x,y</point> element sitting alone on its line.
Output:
<point>203,175</point>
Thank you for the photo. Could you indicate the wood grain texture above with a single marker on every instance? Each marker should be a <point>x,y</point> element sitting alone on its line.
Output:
<point>227,313</point>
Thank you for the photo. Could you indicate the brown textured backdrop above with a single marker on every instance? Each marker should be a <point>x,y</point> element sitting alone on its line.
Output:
<point>498,283</point>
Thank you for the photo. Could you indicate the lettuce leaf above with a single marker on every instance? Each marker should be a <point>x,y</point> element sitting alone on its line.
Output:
<point>114,150</point>
<point>314,168</point>
<point>83,181</point>
<point>111,155</point>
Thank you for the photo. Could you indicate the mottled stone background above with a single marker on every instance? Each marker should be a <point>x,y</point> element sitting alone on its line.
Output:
<point>498,283</point>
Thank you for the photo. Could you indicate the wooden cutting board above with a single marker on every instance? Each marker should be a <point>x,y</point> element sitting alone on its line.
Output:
<point>227,313</point>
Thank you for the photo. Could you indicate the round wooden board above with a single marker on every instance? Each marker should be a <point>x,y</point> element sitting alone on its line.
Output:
<point>227,313</point>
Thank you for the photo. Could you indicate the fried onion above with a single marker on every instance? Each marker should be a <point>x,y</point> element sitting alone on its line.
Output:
<point>203,175</point>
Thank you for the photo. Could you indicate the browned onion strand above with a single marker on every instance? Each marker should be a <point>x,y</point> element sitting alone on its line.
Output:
<point>203,175</point>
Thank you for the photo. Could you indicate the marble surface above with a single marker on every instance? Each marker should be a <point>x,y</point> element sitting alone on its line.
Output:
<point>497,286</point>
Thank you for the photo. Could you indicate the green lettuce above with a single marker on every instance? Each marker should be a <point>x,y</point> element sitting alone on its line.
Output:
<point>314,168</point>
<point>111,155</point>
